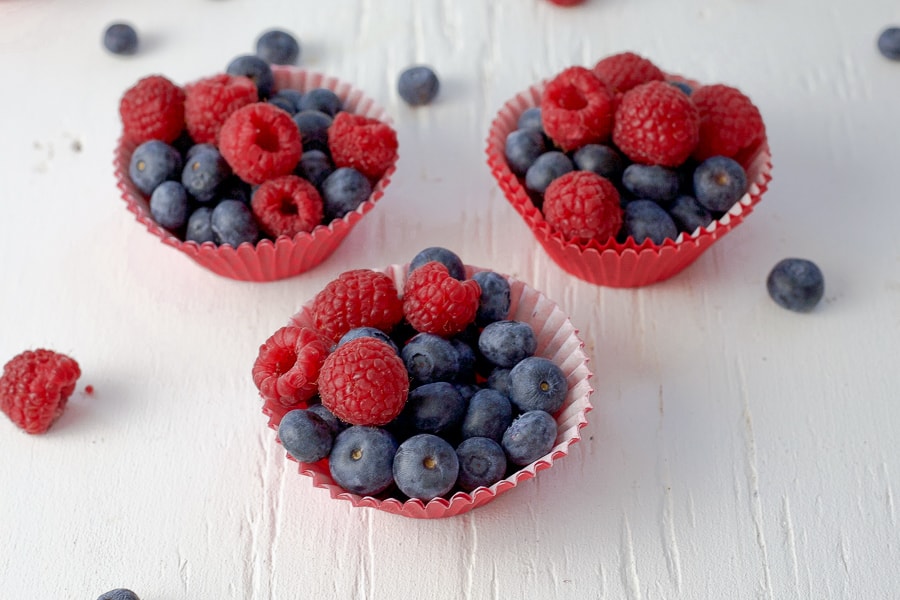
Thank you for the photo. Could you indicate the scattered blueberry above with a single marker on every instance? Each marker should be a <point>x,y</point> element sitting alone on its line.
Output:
<point>418,85</point>
<point>493,305</point>
<point>278,47</point>
<point>315,166</point>
<point>482,463</point>
<point>488,415</point>
<point>358,332</point>
<point>120,38</point>
<point>362,458</point>
<point>152,163</point>
<point>531,119</point>
<point>529,437</point>
<point>321,99</point>
<point>645,219</point>
<point>505,343</point>
<point>169,205</point>
<point>233,223</point>
<point>425,467</point>
<point>305,435</point>
<point>602,160</point>
<point>719,182</point>
<point>448,258</point>
<point>313,126</point>
<point>796,284</point>
<point>118,594</point>
<point>334,424</point>
<point>343,191</point>
<point>689,214</point>
<point>199,226</point>
<point>889,43</point>
<point>545,169</point>
<point>430,358</point>
<point>523,147</point>
<point>204,173</point>
<point>436,408</point>
<point>651,182</point>
<point>536,383</point>
<point>257,70</point>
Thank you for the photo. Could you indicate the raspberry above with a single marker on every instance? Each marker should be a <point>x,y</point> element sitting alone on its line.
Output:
<point>358,298</point>
<point>566,2</point>
<point>656,124</point>
<point>364,382</point>
<point>367,145</point>
<point>260,141</point>
<point>435,302</point>
<point>287,366</point>
<point>35,387</point>
<point>583,205</point>
<point>152,109</point>
<point>729,122</point>
<point>577,108</point>
<point>209,102</point>
<point>287,206</point>
<point>627,70</point>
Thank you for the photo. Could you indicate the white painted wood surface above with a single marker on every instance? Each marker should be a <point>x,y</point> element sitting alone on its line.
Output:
<point>736,450</point>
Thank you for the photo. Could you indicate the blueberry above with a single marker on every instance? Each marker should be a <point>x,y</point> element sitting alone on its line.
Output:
<point>482,463</point>
<point>278,47</point>
<point>285,104</point>
<point>321,99</point>
<point>362,459</point>
<point>436,408</point>
<point>257,70</point>
<point>505,343</point>
<point>522,149</point>
<point>118,594</point>
<point>288,99</point>
<point>195,149</point>
<point>689,214</point>
<point>529,437</point>
<point>467,359</point>
<point>796,284</point>
<point>498,379</point>
<point>358,332</point>
<point>600,159</point>
<point>334,424</point>
<point>531,119</point>
<point>343,191</point>
<point>446,257</point>
<point>418,85</point>
<point>467,390</point>
<point>488,415</point>
<point>120,38</point>
<point>203,173</point>
<point>305,435</point>
<point>495,297</point>
<point>545,169</point>
<point>645,219</point>
<point>233,223</point>
<point>199,226</point>
<point>425,467</point>
<point>889,43</point>
<point>235,189</point>
<point>152,163</point>
<point>430,358</point>
<point>688,90</point>
<point>536,383</point>
<point>315,166</point>
<point>651,182</point>
<point>313,126</point>
<point>169,205</point>
<point>719,182</point>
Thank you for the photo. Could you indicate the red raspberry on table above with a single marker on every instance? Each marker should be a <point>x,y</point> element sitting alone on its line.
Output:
<point>627,70</point>
<point>435,302</point>
<point>260,141</point>
<point>35,387</point>
<point>287,366</point>
<point>566,2</point>
<point>358,298</point>
<point>152,109</point>
<point>656,124</point>
<point>729,121</point>
<point>364,382</point>
<point>287,206</point>
<point>584,206</point>
<point>365,144</point>
<point>577,108</point>
<point>209,102</point>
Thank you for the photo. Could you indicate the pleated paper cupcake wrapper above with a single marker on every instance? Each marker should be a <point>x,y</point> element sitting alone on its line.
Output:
<point>557,340</point>
<point>286,256</point>
<point>612,263</point>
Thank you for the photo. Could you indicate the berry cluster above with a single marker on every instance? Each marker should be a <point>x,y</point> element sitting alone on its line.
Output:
<point>416,394</point>
<point>229,159</point>
<point>622,151</point>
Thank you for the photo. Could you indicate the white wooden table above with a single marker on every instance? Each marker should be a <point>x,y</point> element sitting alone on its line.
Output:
<point>736,450</point>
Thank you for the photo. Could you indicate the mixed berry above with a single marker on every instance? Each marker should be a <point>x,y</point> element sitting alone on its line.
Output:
<point>624,151</point>
<point>412,393</point>
<point>229,159</point>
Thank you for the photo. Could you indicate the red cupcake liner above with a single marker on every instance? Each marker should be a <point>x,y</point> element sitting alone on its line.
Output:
<point>612,263</point>
<point>286,256</point>
<point>557,340</point>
